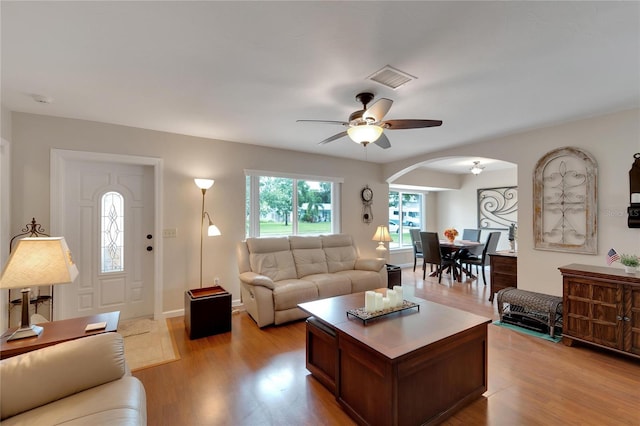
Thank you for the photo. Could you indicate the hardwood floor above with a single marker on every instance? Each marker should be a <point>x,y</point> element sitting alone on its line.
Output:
<point>258,377</point>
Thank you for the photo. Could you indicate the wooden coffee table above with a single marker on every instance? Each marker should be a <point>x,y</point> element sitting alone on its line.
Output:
<point>55,332</point>
<point>410,367</point>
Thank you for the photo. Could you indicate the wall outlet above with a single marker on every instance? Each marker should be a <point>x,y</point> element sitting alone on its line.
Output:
<point>170,233</point>
<point>216,280</point>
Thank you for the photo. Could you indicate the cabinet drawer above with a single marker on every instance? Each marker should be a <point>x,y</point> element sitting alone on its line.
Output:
<point>506,265</point>
<point>500,281</point>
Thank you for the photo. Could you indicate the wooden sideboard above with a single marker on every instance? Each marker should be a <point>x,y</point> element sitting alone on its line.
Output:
<point>504,271</point>
<point>601,307</point>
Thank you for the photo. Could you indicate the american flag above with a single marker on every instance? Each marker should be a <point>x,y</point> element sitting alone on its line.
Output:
<point>612,256</point>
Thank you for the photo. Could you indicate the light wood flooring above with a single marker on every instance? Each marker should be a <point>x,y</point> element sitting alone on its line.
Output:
<point>258,377</point>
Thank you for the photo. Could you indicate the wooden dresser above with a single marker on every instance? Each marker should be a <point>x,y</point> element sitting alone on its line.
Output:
<point>504,271</point>
<point>601,307</point>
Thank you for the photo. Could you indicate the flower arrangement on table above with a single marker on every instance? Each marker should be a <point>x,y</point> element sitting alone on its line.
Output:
<point>451,233</point>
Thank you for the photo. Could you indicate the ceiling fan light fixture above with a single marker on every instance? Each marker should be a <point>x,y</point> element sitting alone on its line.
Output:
<point>365,133</point>
<point>477,168</point>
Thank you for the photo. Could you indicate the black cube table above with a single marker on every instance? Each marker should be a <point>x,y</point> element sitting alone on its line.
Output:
<point>207,311</point>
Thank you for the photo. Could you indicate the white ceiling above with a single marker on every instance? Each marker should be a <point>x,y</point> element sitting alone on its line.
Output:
<point>246,71</point>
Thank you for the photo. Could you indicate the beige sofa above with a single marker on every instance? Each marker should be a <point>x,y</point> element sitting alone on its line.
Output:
<point>80,382</point>
<point>278,273</point>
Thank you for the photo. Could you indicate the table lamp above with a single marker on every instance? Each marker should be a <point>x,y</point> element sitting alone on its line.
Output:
<point>381,236</point>
<point>35,262</point>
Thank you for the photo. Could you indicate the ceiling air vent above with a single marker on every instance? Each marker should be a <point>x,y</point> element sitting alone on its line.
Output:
<point>391,77</point>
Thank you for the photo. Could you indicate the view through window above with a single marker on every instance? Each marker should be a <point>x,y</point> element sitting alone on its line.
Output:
<point>279,206</point>
<point>405,212</point>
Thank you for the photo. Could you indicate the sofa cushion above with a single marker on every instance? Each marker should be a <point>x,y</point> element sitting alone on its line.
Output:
<point>271,257</point>
<point>363,280</point>
<point>330,285</point>
<point>308,255</point>
<point>288,293</point>
<point>308,242</point>
<point>310,261</point>
<point>340,258</point>
<point>340,252</point>
<point>29,381</point>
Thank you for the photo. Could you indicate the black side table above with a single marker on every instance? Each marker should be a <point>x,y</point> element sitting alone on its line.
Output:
<point>207,311</point>
<point>394,275</point>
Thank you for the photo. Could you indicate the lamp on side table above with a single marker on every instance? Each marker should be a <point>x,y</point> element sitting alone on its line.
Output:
<point>34,262</point>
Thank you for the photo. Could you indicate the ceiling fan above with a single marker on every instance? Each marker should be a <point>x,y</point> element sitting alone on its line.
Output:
<point>366,126</point>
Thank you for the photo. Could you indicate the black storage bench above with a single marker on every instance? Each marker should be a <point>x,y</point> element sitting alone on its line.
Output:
<point>537,311</point>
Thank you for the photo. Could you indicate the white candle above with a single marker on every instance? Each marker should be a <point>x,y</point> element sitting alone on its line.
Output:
<point>399,295</point>
<point>385,303</point>
<point>370,301</point>
<point>391,294</point>
<point>379,304</point>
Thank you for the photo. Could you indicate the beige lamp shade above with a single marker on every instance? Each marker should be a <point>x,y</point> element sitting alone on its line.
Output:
<point>39,261</point>
<point>382,234</point>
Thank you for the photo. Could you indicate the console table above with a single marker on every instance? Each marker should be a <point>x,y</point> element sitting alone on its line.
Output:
<point>601,307</point>
<point>55,332</point>
<point>504,271</point>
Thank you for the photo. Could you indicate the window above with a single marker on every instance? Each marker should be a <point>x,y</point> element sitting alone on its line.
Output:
<point>278,205</point>
<point>405,212</point>
<point>112,233</point>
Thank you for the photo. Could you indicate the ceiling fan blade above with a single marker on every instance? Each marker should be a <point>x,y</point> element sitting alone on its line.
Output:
<point>333,138</point>
<point>409,124</point>
<point>378,110</point>
<point>383,142</point>
<point>342,123</point>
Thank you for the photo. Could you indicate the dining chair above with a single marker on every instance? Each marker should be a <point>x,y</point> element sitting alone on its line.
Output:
<point>417,246</point>
<point>432,254</point>
<point>483,260</point>
<point>471,235</point>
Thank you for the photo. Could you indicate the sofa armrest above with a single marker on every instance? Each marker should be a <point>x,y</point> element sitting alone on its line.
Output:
<point>369,264</point>
<point>252,278</point>
<point>48,374</point>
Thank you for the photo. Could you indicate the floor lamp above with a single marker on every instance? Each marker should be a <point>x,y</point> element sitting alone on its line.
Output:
<point>34,262</point>
<point>212,230</point>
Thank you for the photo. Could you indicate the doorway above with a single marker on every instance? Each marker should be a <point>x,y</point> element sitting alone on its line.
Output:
<point>98,230</point>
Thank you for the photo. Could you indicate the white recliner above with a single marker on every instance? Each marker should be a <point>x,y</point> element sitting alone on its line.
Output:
<point>80,382</point>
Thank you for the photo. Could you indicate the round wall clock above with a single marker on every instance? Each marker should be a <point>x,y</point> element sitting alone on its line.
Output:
<point>367,194</point>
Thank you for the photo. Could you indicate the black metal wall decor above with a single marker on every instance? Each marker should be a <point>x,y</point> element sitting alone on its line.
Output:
<point>497,207</point>
<point>633,220</point>
<point>565,201</point>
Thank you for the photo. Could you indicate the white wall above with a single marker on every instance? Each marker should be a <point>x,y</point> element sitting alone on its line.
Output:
<point>184,159</point>
<point>5,196</point>
<point>612,139</point>
<point>459,208</point>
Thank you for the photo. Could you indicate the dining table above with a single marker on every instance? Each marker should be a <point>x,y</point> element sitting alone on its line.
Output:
<point>452,249</point>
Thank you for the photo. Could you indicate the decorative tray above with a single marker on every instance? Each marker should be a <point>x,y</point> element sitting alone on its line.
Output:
<point>361,314</point>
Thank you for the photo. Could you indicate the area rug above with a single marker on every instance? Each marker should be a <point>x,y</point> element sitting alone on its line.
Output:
<point>523,330</point>
<point>147,343</point>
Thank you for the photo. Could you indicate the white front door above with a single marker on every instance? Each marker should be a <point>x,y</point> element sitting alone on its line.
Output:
<point>108,222</point>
